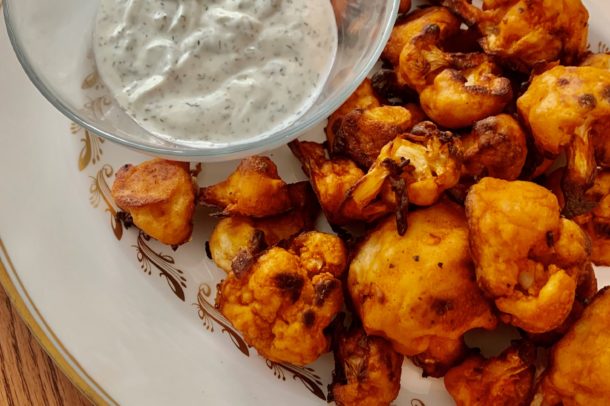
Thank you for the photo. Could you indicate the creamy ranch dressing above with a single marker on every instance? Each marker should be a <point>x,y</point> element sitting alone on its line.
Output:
<point>214,71</point>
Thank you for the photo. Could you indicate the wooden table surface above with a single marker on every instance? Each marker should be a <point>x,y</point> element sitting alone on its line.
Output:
<point>27,375</point>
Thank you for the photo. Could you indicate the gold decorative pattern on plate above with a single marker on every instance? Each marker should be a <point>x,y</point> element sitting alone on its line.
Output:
<point>602,47</point>
<point>306,375</point>
<point>208,314</point>
<point>98,191</point>
<point>92,150</point>
<point>148,259</point>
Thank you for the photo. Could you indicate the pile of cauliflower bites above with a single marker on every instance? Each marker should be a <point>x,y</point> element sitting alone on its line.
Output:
<point>475,165</point>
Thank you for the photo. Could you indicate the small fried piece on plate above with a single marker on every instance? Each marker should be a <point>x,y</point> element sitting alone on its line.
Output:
<point>413,168</point>
<point>282,304</point>
<point>254,189</point>
<point>597,222</point>
<point>239,238</point>
<point>419,290</point>
<point>566,109</point>
<point>506,380</point>
<point>331,180</point>
<point>363,98</point>
<point>160,197</point>
<point>496,147</point>
<point>363,133</point>
<point>528,258</point>
<point>367,369</point>
<point>414,24</point>
<point>579,367</point>
<point>526,33</point>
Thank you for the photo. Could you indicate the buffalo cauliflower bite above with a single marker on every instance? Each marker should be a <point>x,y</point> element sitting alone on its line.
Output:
<point>416,23</point>
<point>496,147</point>
<point>567,108</point>
<point>281,305</point>
<point>367,369</point>
<point>254,189</point>
<point>160,197</point>
<point>506,380</point>
<point>526,33</point>
<point>363,98</point>
<point>413,168</point>
<point>528,258</point>
<point>363,133</point>
<point>458,98</point>
<point>331,180</point>
<point>579,366</point>
<point>596,223</point>
<point>455,89</point>
<point>419,290</point>
<point>239,238</point>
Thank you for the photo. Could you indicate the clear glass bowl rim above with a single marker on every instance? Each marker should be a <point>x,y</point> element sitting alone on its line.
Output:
<point>277,139</point>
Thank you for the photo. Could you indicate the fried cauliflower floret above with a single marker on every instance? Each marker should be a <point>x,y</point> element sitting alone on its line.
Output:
<point>600,133</point>
<point>235,239</point>
<point>528,258</point>
<point>281,309</point>
<point>416,23</point>
<point>496,147</point>
<point>363,98</point>
<point>506,380</point>
<point>566,108</point>
<point>238,238</point>
<point>331,180</point>
<point>418,290</point>
<point>254,189</point>
<point>458,98</point>
<point>413,168</point>
<point>579,368</point>
<point>364,132</point>
<point>320,252</point>
<point>367,369</point>
<point>596,223</point>
<point>525,33</point>
<point>455,89</point>
<point>160,197</point>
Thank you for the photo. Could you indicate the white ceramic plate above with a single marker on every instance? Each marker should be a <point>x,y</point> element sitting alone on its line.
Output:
<point>129,320</point>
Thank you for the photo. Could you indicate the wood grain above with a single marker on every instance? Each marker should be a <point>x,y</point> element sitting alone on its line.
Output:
<point>27,375</point>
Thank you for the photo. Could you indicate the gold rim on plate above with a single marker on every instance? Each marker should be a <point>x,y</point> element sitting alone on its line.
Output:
<point>28,311</point>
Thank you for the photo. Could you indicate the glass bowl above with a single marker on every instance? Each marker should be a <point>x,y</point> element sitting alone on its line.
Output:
<point>53,41</point>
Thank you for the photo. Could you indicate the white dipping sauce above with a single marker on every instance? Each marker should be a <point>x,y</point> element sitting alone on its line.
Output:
<point>214,71</point>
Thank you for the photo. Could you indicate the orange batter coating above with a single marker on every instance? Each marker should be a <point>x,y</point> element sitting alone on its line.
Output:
<point>419,290</point>
<point>567,108</point>
<point>331,180</point>
<point>364,132</point>
<point>525,33</point>
<point>160,197</point>
<point>506,380</point>
<point>238,238</point>
<point>413,168</point>
<point>367,369</point>
<point>363,98</point>
<point>254,189</point>
<point>579,368</point>
<point>455,89</point>
<point>597,222</point>
<point>496,147</point>
<point>282,304</point>
<point>528,258</point>
<point>415,24</point>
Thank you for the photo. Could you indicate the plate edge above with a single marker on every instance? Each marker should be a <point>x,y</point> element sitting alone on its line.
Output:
<point>49,342</point>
